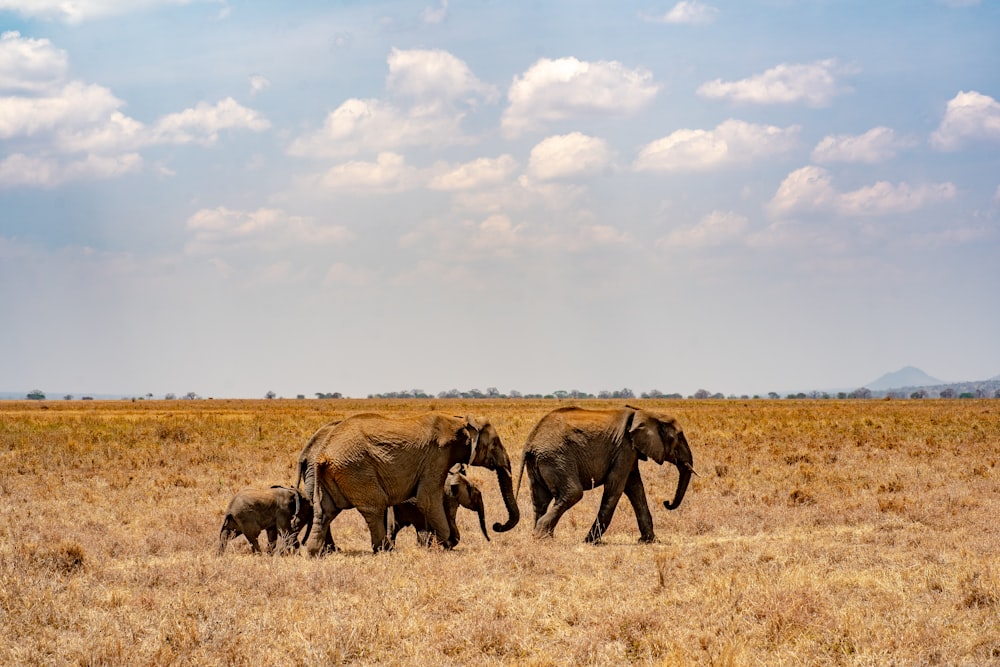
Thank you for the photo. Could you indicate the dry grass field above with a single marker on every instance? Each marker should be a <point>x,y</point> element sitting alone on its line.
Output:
<point>818,532</point>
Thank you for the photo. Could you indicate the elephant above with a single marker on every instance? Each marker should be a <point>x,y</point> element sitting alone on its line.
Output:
<point>280,510</point>
<point>458,491</point>
<point>371,463</point>
<point>571,449</point>
<point>306,473</point>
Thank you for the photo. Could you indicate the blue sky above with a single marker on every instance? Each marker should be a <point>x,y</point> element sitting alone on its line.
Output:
<point>234,197</point>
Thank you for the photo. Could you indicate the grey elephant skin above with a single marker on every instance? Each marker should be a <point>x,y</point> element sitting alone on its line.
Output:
<point>459,491</point>
<point>279,510</point>
<point>573,449</point>
<point>371,463</point>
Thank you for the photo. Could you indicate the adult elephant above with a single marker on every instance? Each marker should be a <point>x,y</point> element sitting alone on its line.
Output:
<point>572,449</point>
<point>370,462</point>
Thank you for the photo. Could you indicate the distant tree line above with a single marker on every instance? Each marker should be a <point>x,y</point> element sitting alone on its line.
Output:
<point>984,389</point>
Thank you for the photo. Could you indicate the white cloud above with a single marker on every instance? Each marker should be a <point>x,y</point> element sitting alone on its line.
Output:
<point>970,116</point>
<point>479,173</point>
<point>203,123</point>
<point>876,145</point>
<point>686,11</point>
<point>220,229</point>
<point>567,155</point>
<point>884,198</point>
<point>30,65</point>
<point>75,11</point>
<point>370,124</point>
<point>814,84</point>
<point>258,84</point>
<point>732,142</point>
<point>553,90</point>
<point>811,189</point>
<point>57,120</point>
<point>74,105</point>
<point>715,229</point>
<point>431,84</point>
<point>389,173</point>
<point>435,15</point>
<point>498,235</point>
<point>434,76</point>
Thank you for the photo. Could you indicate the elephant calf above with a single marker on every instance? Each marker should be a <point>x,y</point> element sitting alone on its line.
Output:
<point>279,510</point>
<point>458,490</point>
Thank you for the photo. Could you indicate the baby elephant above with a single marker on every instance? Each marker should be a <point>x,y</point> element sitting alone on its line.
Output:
<point>279,510</point>
<point>458,490</point>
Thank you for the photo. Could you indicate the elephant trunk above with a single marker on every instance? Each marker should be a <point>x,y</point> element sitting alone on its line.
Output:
<point>509,501</point>
<point>685,468</point>
<point>481,511</point>
<point>682,485</point>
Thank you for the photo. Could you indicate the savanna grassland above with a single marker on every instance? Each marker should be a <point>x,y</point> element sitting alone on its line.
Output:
<point>818,532</point>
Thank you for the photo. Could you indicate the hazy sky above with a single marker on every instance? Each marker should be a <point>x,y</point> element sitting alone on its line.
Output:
<point>233,197</point>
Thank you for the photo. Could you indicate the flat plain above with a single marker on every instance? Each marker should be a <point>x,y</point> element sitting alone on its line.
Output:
<point>817,532</point>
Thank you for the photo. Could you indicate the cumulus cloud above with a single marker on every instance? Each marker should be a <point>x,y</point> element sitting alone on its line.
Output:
<point>876,145</point>
<point>553,90</point>
<point>389,173</point>
<point>811,189</point>
<point>203,123</point>
<point>55,120</point>
<point>686,11</point>
<point>432,87</point>
<point>435,76</point>
<point>220,229</point>
<point>970,116</point>
<point>479,173</point>
<point>30,65</point>
<point>568,155</point>
<point>814,84</point>
<point>732,142</point>
<point>715,229</point>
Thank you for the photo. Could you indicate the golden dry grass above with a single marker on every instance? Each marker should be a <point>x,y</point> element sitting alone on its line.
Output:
<point>819,532</point>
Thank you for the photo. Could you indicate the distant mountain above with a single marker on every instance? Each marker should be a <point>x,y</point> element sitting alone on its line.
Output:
<point>904,377</point>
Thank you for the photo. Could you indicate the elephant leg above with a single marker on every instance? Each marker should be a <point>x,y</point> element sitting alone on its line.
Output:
<point>636,493</point>
<point>540,494</point>
<point>568,493</point>
<point>252,539</point>
<point>609,502</point>
<point>375,518</point>
<point>451,510</point>
<point>431,505</point>
<point>272,538</point>
<point>324,512</point>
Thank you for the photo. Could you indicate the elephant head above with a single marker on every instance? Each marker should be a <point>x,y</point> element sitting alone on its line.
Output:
<point>487,450</point>
<point>661,439</point>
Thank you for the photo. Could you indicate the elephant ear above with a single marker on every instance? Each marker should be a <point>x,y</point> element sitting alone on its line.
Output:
<point>646,437</point>
<point>473,428</point>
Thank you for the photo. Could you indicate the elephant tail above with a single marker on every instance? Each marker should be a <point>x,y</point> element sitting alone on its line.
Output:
<point>520,474</point>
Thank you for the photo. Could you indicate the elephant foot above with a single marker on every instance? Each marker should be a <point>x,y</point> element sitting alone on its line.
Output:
<point>647,539</point>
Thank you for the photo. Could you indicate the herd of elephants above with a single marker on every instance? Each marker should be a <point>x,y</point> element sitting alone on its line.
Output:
<point>409,471</point>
